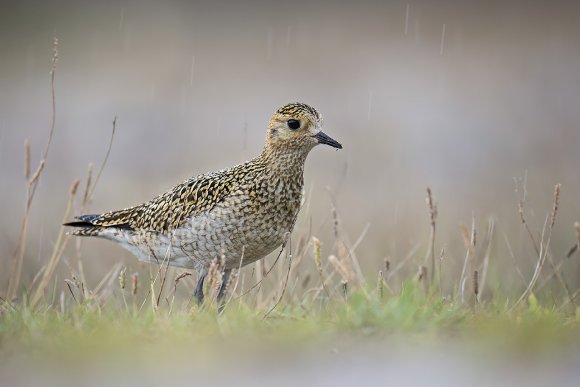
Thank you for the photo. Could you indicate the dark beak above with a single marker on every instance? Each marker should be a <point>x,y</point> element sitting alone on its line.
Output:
<point>324,139</point>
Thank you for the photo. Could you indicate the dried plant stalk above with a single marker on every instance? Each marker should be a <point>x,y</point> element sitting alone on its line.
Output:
<point>544,246</point>
<point>430,256</point>
<point>32,184</point>
<point>27,159</point>
<point>57,250</point>
<point>134,284</point>
<point>340,267</point>
<point>475,284</point>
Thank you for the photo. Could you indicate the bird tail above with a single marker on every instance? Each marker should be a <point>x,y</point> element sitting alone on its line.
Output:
<point>85,225</point>
<point>95,224</point>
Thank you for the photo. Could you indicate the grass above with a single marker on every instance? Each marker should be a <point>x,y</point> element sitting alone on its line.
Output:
<point>301,300</point>
<point>92,331</point>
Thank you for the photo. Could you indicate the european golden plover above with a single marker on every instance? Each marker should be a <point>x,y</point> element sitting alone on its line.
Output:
<point>236,215</point>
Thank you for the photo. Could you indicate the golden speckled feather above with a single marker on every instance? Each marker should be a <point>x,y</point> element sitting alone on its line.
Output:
<point>237,215</point>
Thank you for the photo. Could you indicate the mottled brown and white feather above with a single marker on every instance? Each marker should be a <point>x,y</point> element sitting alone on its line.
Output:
<point>239,214</point>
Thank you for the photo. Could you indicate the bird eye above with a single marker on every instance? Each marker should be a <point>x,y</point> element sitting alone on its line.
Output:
<point>293,124</point>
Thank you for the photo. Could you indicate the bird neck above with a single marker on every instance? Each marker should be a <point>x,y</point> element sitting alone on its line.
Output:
<point>284,161</point>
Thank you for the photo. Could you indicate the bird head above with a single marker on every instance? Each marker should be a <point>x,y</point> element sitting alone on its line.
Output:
<point>297,127</point>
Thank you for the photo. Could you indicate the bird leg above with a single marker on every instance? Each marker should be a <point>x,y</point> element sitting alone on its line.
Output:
<point>198,294</point>
<point>222,290</point>
<point>223,285</point>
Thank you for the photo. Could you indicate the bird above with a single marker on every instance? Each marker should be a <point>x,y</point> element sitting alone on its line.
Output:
<point>234,216</point>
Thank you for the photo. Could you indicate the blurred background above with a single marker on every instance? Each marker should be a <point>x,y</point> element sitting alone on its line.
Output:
<point>462,97</point>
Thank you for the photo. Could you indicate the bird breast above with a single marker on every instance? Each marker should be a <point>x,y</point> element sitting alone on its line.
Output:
<point>246,226</point>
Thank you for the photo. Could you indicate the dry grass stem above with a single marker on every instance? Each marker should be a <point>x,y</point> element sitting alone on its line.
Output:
<point>475,285</point>
<point>104,163</point>
<point>235,277</point>
<point>122,285</point>
<point>344,287</point>
<point>544,246</point>
<point>402,263</point>
<point>164,277</point>
<point>422,278</point>
<point>27,159</point>
<point>441,257</point>
<point>513,258</point>
<point>469,240</point>
<point>430,256</point>
<point>70,283</point>
<point>576,247</point>
<point>86,196</point>
<point>123,278</point>
<point>335,222</point>
<point>212,281</point>
<point>486,257</point>
<point>57,250</point>
<point>32,184</point>
<point>556,268</point>
<point>259,264</point>
<point>556,204</point>
<point>557,273</point>
<point>521,203</point>
<point>174,291</point>
<point>134,284</point>
<point>106,286</point>
<point>571,299</point>
<point>354,263</point>
<point>341,268</point>
<point>318,263</point>
<point>285,283</point>
<point>152,293</point>
<point>342,241</point>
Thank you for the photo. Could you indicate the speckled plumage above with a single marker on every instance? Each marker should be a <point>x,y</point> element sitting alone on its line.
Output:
<point>238,215</point>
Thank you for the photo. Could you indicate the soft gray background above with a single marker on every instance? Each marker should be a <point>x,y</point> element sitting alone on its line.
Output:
<point>458,96</point>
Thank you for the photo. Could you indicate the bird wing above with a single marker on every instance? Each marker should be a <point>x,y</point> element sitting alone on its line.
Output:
<point>170,209</point>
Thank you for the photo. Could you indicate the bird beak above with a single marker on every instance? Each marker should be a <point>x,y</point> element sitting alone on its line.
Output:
<point>324,139</point>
